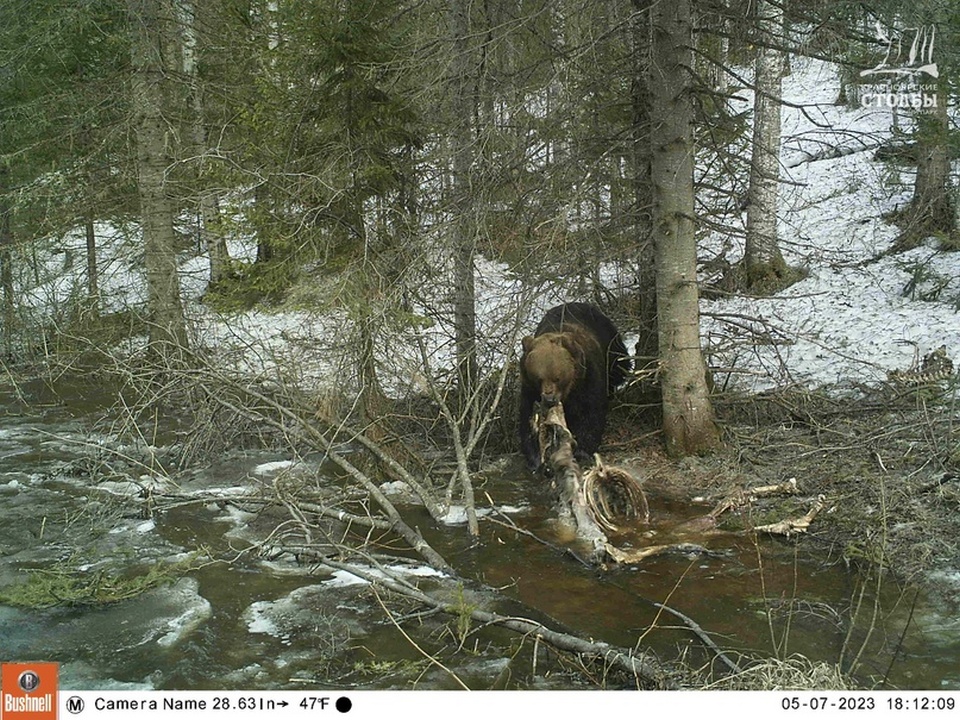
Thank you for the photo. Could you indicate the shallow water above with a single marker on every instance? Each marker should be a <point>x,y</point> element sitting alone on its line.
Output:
<point>257,624</point>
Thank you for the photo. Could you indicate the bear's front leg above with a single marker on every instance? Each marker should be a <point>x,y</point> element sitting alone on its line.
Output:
<point>587,425</point>
<point>529,442</point>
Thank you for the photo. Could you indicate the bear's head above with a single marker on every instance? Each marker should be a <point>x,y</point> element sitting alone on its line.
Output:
<point>553,362</point>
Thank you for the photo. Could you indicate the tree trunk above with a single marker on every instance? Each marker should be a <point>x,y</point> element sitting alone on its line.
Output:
<point>463,241</point>
<point>641,221</point>
<point>765,270</point>
<point>266,252</point>
<point>932,209</point>
<point>93,274</point>
<point>688,420</point>
<point>152,23</point>
<point>368,308</point>
<point>6,264</point>
<point>211,237</point>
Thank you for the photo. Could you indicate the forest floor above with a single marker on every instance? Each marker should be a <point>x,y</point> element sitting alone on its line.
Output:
<point>886,463</point>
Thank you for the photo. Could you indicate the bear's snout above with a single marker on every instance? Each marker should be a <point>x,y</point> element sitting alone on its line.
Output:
<point>550,398</point>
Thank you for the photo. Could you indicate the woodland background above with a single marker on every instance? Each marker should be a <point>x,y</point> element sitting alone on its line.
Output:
<point>376,153</point>
<point>401,188</point>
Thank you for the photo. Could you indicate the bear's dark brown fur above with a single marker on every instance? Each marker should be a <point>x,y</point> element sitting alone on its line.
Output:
<point>576,357</point>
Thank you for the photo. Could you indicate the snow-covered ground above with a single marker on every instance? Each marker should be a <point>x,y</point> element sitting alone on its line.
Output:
<point>849,321</point>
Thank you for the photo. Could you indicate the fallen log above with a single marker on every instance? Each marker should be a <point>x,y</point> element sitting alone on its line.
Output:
<point>791,526</point>
<point>705,526</point>
<point>556,451</point>
<point>606,498</point>
<point>596,500</point>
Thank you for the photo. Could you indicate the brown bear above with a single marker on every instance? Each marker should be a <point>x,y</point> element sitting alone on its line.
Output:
<point>576,356</point>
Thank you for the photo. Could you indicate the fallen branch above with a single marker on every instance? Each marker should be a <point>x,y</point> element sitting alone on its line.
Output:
<point>644,667</point>
<point>743,497</point>
<point>556,447</point>
<point>627,557</point>
<point>706,525</point>
<point>313,437</point>
<point>507,522</point>
<point>796,525</point>
<point>701,634</point>
<point>827,151</point>
<point>430,658</point>
<point>596,499</point>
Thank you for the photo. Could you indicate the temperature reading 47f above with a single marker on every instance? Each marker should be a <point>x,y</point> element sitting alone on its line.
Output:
<point>315,703</point>
<point>342,704</point>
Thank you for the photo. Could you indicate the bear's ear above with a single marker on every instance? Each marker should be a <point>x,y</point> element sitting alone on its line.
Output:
<point>571,345</point>
<point>527,343</point>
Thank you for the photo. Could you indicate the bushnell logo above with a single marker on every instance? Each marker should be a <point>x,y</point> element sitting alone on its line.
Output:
<point>28,691</point>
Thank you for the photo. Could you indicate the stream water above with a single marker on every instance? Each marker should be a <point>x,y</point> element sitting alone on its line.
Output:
<point>254,623</point>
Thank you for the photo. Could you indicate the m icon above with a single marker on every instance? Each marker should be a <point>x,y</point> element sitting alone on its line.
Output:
<point>74,705</point>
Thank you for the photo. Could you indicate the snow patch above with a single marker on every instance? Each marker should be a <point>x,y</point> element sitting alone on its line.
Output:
<point>270,468</point>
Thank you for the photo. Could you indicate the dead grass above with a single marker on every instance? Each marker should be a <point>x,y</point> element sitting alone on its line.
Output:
<point>886,460</point>
<point>793,673</point>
